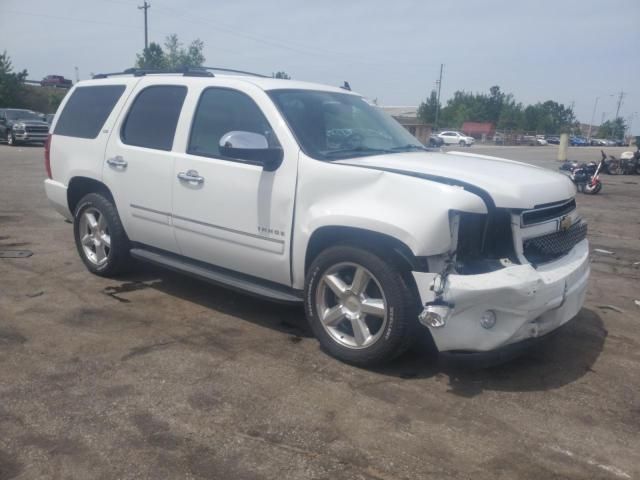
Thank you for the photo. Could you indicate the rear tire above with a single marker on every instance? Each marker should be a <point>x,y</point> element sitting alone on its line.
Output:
<point>100,238</point>
<point>359,306</point>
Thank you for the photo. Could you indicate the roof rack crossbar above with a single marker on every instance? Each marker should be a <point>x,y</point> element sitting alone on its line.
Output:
<point>187,72</point>
<point>231,70</point>
<point>141,72</point>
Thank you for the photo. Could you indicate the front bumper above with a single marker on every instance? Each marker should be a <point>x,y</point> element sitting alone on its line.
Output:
<point>528,302</point>
<point>23,136</point>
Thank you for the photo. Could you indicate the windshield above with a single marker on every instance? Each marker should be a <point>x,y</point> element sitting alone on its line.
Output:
<point>21,115</point>
<point>333,126</point>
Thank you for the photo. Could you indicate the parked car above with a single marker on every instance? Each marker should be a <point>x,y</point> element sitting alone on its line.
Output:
<point>598,142</point>
<point>56,81</point>
<point>554,140</point>
<point>578,142</point>
<point>456,138</point>
<point>239,181</point>
<point>21,126</point>
<point>435,141</point>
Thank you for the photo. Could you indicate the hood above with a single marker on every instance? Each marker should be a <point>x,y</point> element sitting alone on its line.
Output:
<point>30,122</point>
<point>510,184</point>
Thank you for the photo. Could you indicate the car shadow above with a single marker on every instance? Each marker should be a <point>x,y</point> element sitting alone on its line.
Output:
<point>289,319</point>
<point>556,360</point>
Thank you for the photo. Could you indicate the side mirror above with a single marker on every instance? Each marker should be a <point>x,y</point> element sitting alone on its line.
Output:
<point>253,147</point>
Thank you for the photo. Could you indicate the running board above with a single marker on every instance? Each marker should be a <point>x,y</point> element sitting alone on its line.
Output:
<point>218,276</point>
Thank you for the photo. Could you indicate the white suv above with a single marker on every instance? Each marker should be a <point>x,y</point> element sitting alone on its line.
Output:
<point>306,193</point>
<point>456,138</point>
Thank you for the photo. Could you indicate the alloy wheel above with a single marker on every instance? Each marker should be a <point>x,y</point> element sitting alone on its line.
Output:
<point>94,236</point>
<point>351,305</point>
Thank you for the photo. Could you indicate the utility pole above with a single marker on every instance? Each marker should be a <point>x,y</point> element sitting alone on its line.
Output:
<point>145,7</point>
<point>439,83</point>
<point>615,120</point>
<point>593,116</point>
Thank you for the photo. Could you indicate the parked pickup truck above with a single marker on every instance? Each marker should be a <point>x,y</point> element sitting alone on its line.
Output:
<point>22,126</point>
<point>305,193</point>
<point>55,81</point>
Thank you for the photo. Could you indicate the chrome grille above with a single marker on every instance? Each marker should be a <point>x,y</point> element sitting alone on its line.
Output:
<point>547,212</point>
<point>554,245</point>
<point>37,129</point>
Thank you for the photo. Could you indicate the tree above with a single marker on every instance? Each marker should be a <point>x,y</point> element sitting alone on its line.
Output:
<point>173,57</point>
<point>613,129</point>
<point>11,83</point>
<point>152,58</point>
<point>282,75</point>
<point>427,109</point>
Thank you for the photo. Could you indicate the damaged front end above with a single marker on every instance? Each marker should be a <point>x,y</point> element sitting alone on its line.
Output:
<point>505,278</point>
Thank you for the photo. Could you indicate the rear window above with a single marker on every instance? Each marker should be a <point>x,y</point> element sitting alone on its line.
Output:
<point>153,117</point>
<point>87,110</point>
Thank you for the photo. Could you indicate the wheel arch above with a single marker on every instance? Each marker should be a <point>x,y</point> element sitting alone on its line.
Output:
<point>80,186</point>
<point>327,236</point>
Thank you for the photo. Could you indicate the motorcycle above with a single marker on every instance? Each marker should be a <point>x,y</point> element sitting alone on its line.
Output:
<point>628,164</point>
<point>586,177</point>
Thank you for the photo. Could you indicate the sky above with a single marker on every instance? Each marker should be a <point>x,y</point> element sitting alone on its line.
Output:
<point>564,50</point>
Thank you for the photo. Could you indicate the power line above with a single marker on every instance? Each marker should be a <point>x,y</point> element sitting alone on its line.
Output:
<point>70,19</point>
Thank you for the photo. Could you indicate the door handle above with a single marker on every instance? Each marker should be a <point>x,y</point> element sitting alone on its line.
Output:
<point>117,162</point>
<point>191,176</point>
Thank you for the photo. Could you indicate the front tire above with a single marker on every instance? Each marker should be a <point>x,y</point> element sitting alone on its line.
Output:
<point>100,238</point>
<point>11,140</point>
<point>463,143</point>
<point>359,306</point>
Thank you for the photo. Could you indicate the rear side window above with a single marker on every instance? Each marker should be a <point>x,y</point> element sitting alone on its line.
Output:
<point>87,109</point>
<point>153,117</point>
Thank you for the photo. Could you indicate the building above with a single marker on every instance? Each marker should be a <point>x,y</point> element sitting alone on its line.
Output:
<point>479,130</point>
<point>408,118</point>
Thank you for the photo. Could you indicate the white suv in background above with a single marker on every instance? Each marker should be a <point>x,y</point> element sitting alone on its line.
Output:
<point>305,193</point>
<point>456,138</point>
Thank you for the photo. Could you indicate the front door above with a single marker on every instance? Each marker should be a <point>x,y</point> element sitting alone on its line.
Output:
<point>232,213</point>
<point>139,163</point>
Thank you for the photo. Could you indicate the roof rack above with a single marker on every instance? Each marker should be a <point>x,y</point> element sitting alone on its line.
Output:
<point>141,72</point>
<point>230,70</point>
<point>187,72</point>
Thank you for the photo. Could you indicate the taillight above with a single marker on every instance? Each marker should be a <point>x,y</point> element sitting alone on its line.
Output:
<point>47,156</point>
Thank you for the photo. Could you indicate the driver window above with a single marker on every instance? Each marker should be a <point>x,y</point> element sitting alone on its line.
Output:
<point>220,111</point>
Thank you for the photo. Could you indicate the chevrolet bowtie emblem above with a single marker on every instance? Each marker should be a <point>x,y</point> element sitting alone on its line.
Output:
<point>565,223</point>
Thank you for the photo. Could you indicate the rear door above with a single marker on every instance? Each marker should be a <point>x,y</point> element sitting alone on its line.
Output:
<point>138,165</point>
<point>238,216</point>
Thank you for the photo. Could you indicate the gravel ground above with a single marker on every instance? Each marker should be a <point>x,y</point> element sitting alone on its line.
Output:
<point>155,375</point>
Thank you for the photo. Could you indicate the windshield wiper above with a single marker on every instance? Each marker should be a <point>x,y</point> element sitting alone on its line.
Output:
<point>408,147</point>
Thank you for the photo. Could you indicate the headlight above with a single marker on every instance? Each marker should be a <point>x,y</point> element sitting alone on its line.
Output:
<point>19,126</point>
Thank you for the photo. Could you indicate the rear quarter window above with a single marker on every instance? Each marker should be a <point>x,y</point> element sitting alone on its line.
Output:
<point>87,109</point>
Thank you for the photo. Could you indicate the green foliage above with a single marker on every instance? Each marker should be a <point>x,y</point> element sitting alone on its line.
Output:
<point>173,57</point>
<point>613,129</point>
<point>11,83</point>
<point>41,99</point>
<point>152,58</point>
<point>500,109</point>
<point>282,75</point>
<point>548,117</point>
<point>427,109</point>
